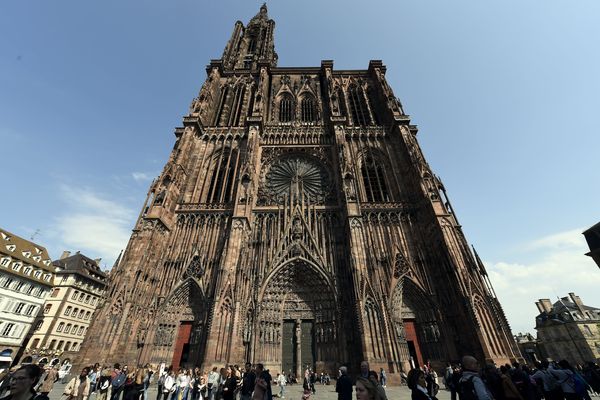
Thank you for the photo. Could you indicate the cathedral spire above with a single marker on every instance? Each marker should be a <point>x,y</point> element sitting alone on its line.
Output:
<point>251,45</point>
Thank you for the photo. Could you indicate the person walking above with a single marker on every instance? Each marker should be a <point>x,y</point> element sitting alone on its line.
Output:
<point>78,388</point>
<point>343,386</point>
<point>260,388</point>
<point>213,383</point>
<point>382,377</point>
<point>248,382</point>
<point>281,381</point>
<point>48,382</point>
<point>471,385</point>
<point>230,384</point>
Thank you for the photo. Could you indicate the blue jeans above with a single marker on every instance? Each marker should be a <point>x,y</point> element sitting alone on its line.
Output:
<point>175,394</point>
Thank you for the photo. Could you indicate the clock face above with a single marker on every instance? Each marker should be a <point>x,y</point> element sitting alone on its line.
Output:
<point>296,176</point>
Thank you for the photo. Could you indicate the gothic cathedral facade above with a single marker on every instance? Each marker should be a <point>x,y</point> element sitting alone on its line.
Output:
<point>297,223</point>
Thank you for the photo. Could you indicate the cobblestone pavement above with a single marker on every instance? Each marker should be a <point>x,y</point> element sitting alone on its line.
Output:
<point>293,392</point>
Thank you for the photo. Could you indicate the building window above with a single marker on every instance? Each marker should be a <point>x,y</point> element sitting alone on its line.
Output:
<point>60,327</point>
<point>307,106</point>
<point>7,283</point>
<point>35,343</point>
<point>60,345</point>
<point>81,314</point>
<point>68,328</point>
<point>64,278</point>
<point>374,180</point>
<point>587,331</point>
<point>74,296</point>
<point>74,330</point>
<point>87,299</point>
<point>38,325</point>
<point>19,286</point>
<point>37,274</point>
<point>27,270</point>
<point>68,346</point>
<point>93,302</point>
<point>87,315</point>
<point>55,292</point>
<point>30,310</point>
<point>75,311</point>
<point>5,262</point>
<point>7,329</point>
<point>358,106</point>
<point>222,180</point>
<point>19,308</point>
<point>286,109</point>
<point>80,332</point>
<point>16,266</point>
<point>52,344</point>
<point>47,308</point>
<point>81,296</point>
<point>29,289</point>
<point>74,347</point>
<point>68,310</point>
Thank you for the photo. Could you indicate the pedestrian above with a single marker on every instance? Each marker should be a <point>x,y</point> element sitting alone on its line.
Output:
<point>343,386</point>
<point>260,388</point>
<point>364,369</point>
<point>230,384</point>
<point>160,382</point>
<point>248,382</point>
<point>183,385</point>
<point>93,375</point>
<point>380,389</point>
<point>78,388</point>
<point>366,390</point>
<point>213,383</point>
<point>23,382</point>
<point>471,385</point>
<point>382,377</point>
<point>281,381</point>
<point>417,384</point>
<point>118,378</point>
<point>509,389</point>
<point>48,382</point>
<point>103,385</point>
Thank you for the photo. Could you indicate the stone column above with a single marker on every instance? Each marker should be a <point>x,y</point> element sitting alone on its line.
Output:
<point>299,348</point>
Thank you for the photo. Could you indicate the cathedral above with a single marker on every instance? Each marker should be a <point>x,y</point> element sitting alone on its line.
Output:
<point>297,223</point>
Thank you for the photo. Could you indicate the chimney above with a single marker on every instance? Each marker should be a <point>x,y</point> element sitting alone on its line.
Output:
<point>65,254</point>
<point>546,305</point>
<point>577,300</point>
<point>97,261</point>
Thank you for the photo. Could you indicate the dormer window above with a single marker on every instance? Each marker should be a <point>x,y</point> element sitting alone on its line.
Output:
<point>11,247</point>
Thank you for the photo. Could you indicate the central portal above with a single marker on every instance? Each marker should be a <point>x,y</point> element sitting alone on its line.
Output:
<point>298,347</point>
<point>297,327</point>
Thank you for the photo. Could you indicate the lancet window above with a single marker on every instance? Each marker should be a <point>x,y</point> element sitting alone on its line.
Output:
<point>375,186</point>
<point>286,109</point>
<point>220,189</point>
<point>358,106</point>
<point>308,109</point>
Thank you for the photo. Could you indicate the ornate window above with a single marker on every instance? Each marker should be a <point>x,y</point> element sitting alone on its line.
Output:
<point>308,109</point>
<point>286,109</point>
<point>358,106</point>
<point>47,308</point>
<point>373,177</point>
<point>296,176</point>
<point>222,180</point>
<point>68,310</point>
<point>60,327</point>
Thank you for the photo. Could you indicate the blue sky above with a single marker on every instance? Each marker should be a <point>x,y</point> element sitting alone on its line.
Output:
<point>505,95</point>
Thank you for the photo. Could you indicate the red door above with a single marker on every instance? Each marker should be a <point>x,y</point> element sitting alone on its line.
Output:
<point>182,344</point>
<point>414,347</point>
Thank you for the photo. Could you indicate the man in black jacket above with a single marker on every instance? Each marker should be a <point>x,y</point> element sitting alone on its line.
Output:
<point>343,387</point>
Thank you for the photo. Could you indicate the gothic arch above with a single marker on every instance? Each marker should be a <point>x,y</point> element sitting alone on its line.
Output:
<point>221,167</point>
<point>488,329</point>
<point>286,107</point>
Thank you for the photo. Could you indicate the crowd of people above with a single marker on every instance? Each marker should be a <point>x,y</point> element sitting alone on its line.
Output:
<point>464,381</point>
<point>468,381</point>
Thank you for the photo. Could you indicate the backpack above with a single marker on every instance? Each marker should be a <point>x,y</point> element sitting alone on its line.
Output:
<point>466,388</point>
<point>119,380</point>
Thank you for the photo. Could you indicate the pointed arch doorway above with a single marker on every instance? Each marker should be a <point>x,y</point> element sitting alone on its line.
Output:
<point>297,323</point>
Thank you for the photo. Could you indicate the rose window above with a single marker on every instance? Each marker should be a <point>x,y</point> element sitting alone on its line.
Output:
<point>294,176</point>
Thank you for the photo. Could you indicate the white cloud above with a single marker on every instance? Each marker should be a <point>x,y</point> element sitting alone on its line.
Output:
<point>92,224</point>
<point>559,267</point>
<point>141,176</point>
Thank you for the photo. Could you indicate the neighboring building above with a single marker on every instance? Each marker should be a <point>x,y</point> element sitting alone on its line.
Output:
<point>592,237</point>
<point>78,291</point>
<point>569,330</point>
<point>297,223</point>
<point>528,347</point>
<point>26,275</point>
